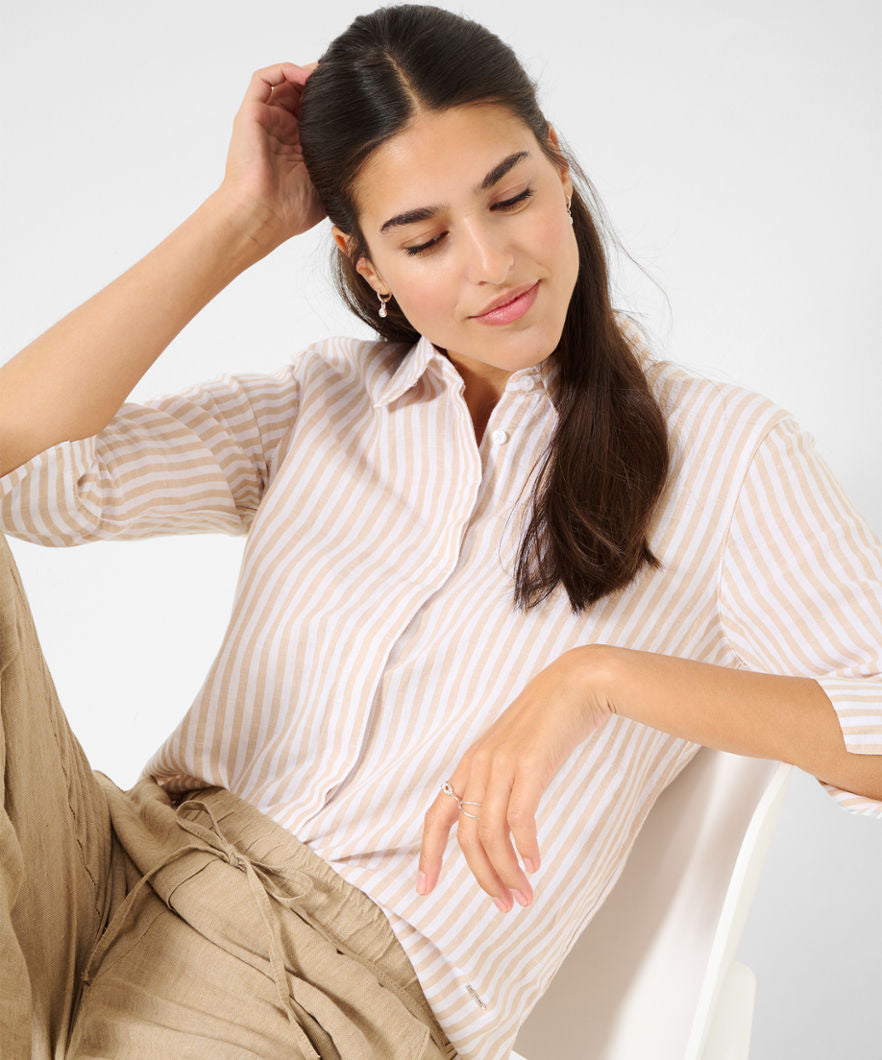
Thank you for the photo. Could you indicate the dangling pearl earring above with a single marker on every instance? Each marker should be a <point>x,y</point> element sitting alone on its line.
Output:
<point>570,210</point>
<point>383,312</point>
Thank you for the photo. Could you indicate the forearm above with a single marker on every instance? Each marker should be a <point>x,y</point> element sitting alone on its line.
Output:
<point>70,381</point>
<point>762,715</point>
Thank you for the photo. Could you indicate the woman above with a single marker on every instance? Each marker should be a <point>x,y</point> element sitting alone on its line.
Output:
<point>505,504</point>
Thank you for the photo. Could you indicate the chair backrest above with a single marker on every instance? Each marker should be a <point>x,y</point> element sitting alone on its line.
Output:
<point>643,978</point>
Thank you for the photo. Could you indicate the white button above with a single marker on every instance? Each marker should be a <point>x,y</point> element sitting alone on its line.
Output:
<point>500,437</point>
<point>527,383</point>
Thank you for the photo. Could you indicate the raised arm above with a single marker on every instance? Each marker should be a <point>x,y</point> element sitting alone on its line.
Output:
<point>70,382</point>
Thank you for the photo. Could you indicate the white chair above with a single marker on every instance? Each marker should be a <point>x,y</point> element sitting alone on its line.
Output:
<point>653,976</point>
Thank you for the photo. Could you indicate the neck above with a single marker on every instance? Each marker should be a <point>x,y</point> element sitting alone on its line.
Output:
<point>483,388</point>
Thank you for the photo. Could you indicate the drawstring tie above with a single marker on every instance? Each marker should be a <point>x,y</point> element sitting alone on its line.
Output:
<point>262,887</point>
<point>259,876</point>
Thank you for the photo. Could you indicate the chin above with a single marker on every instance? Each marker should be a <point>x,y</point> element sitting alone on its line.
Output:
<point>531,348</point>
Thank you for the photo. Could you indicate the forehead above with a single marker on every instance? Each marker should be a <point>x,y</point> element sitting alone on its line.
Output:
<point>439,157</point>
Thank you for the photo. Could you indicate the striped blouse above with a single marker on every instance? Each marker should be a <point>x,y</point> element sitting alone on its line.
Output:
<point>373,637</point>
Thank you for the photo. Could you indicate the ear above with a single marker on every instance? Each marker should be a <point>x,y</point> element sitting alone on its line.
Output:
<point>364,266</point>
<point>562,164</point>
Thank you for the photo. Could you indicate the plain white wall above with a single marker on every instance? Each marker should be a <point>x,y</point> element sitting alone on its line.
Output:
<point>737,148</point>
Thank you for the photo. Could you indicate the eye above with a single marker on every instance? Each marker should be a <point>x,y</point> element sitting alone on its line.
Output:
<point>508,204</point>
<point>421,248</point>
<point>505,204</point>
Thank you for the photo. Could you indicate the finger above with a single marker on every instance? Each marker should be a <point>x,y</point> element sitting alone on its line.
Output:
<point>523,803</point>
<point>495,835</point>
<point>286,95</point>
<point>471,815</point>
<point>289,93</point>
<point>440,818</point>
<point>476,857</point>
<point>262,83</point>
<point>298,75</point>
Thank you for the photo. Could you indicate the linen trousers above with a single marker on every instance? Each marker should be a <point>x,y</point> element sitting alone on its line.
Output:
<point>136,926</point>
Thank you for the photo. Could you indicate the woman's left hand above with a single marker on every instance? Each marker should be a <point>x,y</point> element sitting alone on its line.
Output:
<point>500,779</point>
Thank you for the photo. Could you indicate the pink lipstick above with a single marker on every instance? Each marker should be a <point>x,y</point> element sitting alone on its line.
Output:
<point>510,311</point>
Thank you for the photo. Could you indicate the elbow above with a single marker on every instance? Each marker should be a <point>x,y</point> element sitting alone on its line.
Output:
<point>860,774</point>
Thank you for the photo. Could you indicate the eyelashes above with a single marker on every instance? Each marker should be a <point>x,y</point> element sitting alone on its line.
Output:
<point>506,204</point>
<point>423,247</point>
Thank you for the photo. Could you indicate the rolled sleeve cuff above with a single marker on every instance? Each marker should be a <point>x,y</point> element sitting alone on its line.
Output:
<point>853,803</point>
<point>40,502</point>
<point>858,706</point>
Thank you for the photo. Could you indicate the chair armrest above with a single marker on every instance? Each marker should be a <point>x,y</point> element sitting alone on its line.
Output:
<point>729,1034</point>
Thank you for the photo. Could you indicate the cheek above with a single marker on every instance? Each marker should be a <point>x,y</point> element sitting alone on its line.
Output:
<point>554,243</point>
<point>428,298</point>
<point>560,254</point>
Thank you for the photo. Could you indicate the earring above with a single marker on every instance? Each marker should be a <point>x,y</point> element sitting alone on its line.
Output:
<point>383,312</point>
<point>570,210</point>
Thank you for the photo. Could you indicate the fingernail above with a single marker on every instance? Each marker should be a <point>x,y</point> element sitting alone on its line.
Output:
<point>530,865</point>
<point>500,905</point>
<point>521,897</point>
<point>422,883</point>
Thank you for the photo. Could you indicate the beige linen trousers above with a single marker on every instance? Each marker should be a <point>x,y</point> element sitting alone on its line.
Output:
<point>132,927</point>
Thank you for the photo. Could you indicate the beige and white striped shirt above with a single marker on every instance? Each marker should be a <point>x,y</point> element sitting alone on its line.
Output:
<point>373,638</point>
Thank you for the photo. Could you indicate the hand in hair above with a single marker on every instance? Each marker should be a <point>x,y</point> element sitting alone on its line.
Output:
<point>502,776</point>
<point>265,173</point>
<point>71,380</point>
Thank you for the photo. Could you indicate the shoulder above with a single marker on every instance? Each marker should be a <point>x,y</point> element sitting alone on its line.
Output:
<point>366,361</point>
<point>716,416</point>
<point>723,414</point>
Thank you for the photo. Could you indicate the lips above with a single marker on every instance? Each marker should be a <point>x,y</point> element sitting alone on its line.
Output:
<point>505,299</point>
<point>510,306</point>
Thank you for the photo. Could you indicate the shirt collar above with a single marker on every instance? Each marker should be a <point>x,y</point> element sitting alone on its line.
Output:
<point>549,373</point>
<point>384,389</point>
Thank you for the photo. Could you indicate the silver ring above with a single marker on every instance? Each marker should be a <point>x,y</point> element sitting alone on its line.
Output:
<point>447,788</point>
<point>469,802</point>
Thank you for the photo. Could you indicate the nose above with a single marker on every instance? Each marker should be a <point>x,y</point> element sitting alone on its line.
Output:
<point>488,255</point>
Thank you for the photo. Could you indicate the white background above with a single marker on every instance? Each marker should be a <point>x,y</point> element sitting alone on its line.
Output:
<point>737,148</point>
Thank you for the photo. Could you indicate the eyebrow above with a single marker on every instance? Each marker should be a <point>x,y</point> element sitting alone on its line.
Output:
<point>425,213</point>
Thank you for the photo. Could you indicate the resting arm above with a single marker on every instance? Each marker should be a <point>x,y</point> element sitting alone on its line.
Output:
<point>800,592</point>
<point>790,719</point>
<point>504,773</point>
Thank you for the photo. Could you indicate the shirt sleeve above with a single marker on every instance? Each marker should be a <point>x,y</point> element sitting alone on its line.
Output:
<point>193,462</point>
<point>801,588</point>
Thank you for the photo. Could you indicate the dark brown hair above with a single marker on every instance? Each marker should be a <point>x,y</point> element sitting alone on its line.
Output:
<point>605,466</point>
